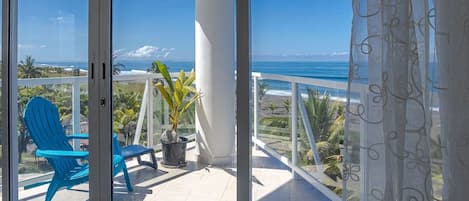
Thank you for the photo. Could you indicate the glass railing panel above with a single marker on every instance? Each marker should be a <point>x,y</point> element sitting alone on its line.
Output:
<point>274,115</point>
<point>320,126</point>
<point>321,121</point>
<point>160,111</point>
<point>127,103</point>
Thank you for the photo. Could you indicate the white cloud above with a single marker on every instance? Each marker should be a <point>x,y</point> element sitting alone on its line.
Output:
<point>30,46</point>
<point>119,52</point>
<point>147,51</point>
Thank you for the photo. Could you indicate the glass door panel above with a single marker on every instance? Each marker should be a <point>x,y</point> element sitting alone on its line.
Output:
<point>146,37</point>
<point>52,78</point>
<point>299,108</point>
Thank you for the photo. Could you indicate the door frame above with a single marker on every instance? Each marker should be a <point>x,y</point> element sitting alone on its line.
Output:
<point>9,100</point>
<point>100,100</point>
<point>98,154</point>
<point>243,103</point>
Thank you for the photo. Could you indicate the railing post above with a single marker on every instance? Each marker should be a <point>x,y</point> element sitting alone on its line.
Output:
<point>294,124</point>
<point>149,87</point>
<point>141,115</point>
<point>309,131</point>
<point>76,127</point>
<point>159,108</point>
<point>255,110</point>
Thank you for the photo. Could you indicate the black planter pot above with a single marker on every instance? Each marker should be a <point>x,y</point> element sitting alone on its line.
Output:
<point>174,154</point>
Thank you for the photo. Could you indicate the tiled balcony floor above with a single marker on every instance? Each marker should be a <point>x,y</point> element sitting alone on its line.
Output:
<point>271,181</point>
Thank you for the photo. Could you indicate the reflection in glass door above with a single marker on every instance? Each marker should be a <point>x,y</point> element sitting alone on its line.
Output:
<point>52,99</point>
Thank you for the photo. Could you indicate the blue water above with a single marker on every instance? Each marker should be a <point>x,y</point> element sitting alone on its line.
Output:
<point>323,70</point>
<point>336,71</point>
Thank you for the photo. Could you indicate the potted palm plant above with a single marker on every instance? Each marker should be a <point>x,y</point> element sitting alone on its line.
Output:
<point>180,95</point>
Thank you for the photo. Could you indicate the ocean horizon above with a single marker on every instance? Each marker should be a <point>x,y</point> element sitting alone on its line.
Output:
<point>333,70</point>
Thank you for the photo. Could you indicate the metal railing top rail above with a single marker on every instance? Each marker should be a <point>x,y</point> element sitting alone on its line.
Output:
<point>309,81</point>
<point>83,79</point>
<point>143,76</point>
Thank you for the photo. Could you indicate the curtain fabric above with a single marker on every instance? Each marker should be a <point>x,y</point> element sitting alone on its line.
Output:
<point>407,127</point>
<point>452,46</point>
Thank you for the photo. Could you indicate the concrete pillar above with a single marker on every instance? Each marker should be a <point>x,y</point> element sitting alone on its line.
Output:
<point>214,66</point>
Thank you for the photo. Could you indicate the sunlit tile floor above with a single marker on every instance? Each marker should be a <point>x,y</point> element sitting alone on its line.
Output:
<point>271,181</point>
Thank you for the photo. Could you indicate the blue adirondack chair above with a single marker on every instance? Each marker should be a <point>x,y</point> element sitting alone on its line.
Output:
<point>43,123</point>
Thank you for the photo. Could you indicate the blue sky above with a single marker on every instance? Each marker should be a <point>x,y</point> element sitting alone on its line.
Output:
<point>56,30</point>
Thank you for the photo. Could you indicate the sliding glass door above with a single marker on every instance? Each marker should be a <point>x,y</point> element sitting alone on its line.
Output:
<point>52,69</point>
<point>89,113</point>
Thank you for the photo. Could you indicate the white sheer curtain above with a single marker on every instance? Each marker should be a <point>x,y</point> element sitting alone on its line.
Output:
<point>452,42</point>
<point>398,92</point>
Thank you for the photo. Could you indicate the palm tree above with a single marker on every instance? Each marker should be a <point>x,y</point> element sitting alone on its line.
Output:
<point>272,108</point>
<point>154,66</point>
<point>287,105</point>
<point>126,111</point>
<point>326,119</point>
<point>263,87</point>
<point>26,68</point>
<point>154,69</point>
<point>116,66</point>
<point>323,115</point>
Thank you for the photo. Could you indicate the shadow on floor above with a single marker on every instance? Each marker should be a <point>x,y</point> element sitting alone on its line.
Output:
<point>139,176</point>
<point>295,190</point>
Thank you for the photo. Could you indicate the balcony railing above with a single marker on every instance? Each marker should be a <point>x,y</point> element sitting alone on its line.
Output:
<point>291,88</point>
<point>294,89</point>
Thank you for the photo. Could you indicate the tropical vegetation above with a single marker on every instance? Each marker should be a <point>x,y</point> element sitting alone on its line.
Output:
<point>116,66</point>
<point>26,68</point>
<point>326,117</point>
<point>154,66</point>
<point>180,95</point>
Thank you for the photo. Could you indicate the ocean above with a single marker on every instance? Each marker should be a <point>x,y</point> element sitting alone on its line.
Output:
<point>335,71</point>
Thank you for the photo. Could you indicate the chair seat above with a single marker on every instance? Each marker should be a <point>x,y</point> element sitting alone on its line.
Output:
<point>81,172</point>
<point>132,151</point>
<point>135,150</point>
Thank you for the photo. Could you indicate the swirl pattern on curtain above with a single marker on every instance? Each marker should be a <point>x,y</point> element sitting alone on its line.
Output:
<point>407,126</point>
<point>389,117</point>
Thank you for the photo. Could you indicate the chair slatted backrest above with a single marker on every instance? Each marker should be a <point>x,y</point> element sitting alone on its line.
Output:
<point>43,123</point>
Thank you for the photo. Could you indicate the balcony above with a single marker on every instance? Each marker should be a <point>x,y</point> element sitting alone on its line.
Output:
<point>285,166</point>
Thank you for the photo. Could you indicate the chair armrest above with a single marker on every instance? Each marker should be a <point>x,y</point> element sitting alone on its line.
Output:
<point>82,136</point>
<point>61,154</point>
